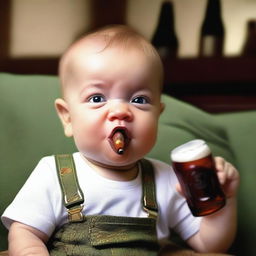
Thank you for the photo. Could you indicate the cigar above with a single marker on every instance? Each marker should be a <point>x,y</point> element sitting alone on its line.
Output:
<point>118,140</point>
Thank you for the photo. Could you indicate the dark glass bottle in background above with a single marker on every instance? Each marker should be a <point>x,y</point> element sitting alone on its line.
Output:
<point>249,49</point>
<point>211,42</point>
<point>164,38</point>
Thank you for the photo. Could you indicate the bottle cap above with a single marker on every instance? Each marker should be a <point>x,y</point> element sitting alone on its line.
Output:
<point>190,151</point>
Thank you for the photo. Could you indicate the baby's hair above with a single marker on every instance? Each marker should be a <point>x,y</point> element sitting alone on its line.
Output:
<point>124,36</point>
<point>120,36</point>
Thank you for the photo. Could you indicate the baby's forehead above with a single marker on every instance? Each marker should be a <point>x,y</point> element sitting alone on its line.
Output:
<point>93,44</point>
<point>87,50</point>
<point>85,47</point>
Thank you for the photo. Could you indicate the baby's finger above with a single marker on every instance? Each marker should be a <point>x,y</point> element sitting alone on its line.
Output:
<point>222,177</point>
<point>231,173</point>
<point>219,163</point>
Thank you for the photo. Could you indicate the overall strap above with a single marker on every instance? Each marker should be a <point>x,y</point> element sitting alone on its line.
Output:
<point>72,194</point>
<point>149,190</point>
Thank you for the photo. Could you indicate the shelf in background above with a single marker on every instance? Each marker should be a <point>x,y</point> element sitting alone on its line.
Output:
<point>46,66</point>
<point>221,103</point>
<point>213,84</point>
<point>210,70</point>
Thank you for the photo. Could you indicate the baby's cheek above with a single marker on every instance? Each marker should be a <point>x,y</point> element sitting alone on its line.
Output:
<point>148,136</point>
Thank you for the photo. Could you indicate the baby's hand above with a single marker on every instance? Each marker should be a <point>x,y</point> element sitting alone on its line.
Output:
<point>228,176</point>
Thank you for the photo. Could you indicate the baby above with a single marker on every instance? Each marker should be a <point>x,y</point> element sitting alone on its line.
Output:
<point>111,83</point>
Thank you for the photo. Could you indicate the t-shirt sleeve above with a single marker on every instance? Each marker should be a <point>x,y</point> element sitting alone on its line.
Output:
<point>34,204</point>
<point>186,224</point>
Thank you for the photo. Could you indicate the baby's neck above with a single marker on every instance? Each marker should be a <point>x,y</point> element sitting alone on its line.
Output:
<point>119,173</point>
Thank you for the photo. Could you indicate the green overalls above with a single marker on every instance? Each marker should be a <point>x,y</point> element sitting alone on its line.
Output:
<point>101,234</point>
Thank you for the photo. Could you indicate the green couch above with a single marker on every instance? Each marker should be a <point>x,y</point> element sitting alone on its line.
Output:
<point>30,130</point>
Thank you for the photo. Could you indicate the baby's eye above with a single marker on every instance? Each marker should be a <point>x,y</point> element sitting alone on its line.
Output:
<point>140,100</point>
<point>97,99</point>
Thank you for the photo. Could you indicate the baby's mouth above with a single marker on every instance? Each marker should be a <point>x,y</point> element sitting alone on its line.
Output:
<point>119,140</point>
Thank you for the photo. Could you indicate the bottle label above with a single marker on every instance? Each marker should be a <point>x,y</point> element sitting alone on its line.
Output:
<point>208,46</point>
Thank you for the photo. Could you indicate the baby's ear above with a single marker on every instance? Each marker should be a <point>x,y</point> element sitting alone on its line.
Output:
<point>162,107</point>
<point>64,115</point>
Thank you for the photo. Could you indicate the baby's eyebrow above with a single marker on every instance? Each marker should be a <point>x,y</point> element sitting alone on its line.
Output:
<point>91,85</point>
<point>95,84</point>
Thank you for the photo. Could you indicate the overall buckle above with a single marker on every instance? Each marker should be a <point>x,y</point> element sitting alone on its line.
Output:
<point>151,213</point>
<point>75,214</point>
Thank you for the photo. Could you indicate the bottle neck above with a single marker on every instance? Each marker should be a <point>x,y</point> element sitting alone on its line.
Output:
<point>249,48</point>
<point>164,38</point>
<point>213,24</point>
<point>212,31</point>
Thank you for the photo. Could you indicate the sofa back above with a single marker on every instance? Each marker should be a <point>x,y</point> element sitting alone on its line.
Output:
<point>30,129</point>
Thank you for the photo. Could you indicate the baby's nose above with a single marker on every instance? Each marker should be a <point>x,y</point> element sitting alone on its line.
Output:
<point>120,110</point>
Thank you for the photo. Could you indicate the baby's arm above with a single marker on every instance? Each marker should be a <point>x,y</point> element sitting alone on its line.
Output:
<point>217,231</point>
<point>25,240</point>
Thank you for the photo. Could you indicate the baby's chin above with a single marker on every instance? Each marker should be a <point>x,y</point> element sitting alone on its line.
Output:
<point>115,161</point>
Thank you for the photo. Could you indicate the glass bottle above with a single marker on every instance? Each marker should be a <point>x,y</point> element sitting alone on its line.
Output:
<point>249,48</point>
<point>212,31</point>
<point>164,38</point>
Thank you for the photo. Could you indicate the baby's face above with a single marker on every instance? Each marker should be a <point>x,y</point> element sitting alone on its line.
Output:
<point>114,90</point>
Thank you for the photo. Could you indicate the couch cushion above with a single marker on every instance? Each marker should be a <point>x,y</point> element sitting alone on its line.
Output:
<point>241,132</point>
<point>181,122</point>
<point>30,129</point>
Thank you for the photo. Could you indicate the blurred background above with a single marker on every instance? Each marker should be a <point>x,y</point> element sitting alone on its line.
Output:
<point>34,33</point>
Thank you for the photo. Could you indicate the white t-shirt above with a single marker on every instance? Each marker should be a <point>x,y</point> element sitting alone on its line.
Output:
<point>39,203</point>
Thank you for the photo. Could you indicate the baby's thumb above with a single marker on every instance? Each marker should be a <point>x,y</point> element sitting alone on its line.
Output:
<point>179,189</point>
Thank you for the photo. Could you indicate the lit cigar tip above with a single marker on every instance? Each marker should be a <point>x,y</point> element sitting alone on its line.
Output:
<point>118,142</point>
